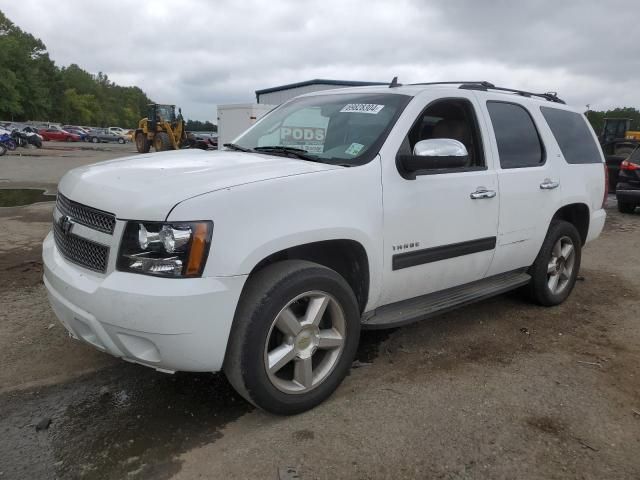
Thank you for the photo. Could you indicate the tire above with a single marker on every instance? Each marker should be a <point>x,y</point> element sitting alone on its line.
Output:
<point>38,143</point>
<point>68,139</point>
<point>566,265</point>
<point>95,140</point>
<point>625,207</point>
<point>162,142</point>
<point>292,286</point>
<point>11,145</point>
<point>121,141</point>
<point>3,149</point>
<point>143,145</point>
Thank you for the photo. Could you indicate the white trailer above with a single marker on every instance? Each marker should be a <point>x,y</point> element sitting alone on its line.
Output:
<point>236,118</point>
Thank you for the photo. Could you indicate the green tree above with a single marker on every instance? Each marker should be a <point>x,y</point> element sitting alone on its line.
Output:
<point>33,88</point>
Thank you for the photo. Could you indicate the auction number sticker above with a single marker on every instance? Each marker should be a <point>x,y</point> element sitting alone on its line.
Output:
<point>372,108</point>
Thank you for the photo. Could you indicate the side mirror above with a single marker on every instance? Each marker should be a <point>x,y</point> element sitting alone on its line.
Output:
<point>435,153</point>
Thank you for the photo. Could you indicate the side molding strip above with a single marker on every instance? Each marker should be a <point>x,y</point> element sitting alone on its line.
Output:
<point>435,254</point>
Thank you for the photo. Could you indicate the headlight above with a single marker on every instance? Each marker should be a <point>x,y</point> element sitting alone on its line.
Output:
<point>173,249</point>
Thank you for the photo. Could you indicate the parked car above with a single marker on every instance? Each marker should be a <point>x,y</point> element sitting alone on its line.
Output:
<point>118,130</point>
<point>104,136</point>
<point>339,210</point>
<point>84,136</point>
<point>628,186</point>
<point>58,135</point>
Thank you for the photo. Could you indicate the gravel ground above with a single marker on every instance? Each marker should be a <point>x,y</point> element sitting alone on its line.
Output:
<point>501,389</point>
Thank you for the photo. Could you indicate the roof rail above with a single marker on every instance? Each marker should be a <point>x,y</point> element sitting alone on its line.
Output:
<point>485,86</point>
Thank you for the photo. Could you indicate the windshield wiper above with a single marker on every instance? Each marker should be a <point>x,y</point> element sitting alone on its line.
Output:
<point>297,152</point>
<point>233,146</point>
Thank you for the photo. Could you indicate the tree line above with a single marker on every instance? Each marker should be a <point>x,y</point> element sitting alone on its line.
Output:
<point>32,87</point>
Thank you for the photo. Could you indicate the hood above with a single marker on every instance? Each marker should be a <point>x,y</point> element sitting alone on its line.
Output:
<point>146,187</point>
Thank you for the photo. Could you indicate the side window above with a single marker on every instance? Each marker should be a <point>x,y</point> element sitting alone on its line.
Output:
<point>573,135</point>
<point>519,144</point>
<point>448,118</point>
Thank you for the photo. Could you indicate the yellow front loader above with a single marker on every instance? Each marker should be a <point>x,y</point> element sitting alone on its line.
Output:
<point>160,129</point>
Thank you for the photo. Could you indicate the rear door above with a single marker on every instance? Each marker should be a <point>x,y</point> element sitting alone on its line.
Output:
<point>529,180</point>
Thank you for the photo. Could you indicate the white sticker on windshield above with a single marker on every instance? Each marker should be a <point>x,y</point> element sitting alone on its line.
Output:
<point>362,108</point>
<point>354,149</point>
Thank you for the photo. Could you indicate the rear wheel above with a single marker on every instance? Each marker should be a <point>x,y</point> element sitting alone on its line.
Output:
<point>95,140</point>
<point>121,140</point>
<point>143,145</point>
<point>625,207</point>
<point>162,142</point>
<point>295,334</point>
<point>554,272</point>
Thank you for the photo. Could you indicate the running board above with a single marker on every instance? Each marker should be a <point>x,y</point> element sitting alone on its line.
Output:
<point>414,309</point>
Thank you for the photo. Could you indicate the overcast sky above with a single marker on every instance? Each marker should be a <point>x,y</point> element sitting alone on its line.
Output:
<point>199,53</point>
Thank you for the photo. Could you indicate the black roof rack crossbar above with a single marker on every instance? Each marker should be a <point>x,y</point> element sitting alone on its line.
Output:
<point>550,96</point>
<point>482,83</point>
<point>484,86</point>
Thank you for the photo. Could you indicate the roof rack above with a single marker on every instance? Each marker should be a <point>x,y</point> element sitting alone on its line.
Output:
<point>484,86</point>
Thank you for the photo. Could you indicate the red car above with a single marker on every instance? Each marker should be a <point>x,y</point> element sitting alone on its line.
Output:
<point>59,135</point>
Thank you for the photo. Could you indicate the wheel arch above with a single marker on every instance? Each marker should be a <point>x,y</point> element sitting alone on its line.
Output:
<point>347,257</point>
<point>577,214</point>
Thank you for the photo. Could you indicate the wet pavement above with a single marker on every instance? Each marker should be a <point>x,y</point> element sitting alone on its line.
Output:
<point>17,197</point>
<point>125,421</point>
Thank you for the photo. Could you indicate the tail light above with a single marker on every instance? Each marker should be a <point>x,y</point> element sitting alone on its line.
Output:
<point>629,166</point>
<point>606,186</point>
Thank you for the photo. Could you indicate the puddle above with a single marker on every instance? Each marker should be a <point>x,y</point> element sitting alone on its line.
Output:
<point>125,421</point>
<point>18,197</point>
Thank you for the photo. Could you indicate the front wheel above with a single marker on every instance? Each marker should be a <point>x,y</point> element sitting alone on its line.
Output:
<point>295,334</point>
<point>95,140</point>
<point>554,272</point>
<point>121,140</point>
<point>143,145</point>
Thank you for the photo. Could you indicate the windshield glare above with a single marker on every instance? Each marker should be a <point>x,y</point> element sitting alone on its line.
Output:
<point>340,128</point>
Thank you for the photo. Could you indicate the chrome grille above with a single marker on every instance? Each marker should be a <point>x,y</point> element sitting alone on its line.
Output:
<point>88,216</point>
<point>81,251</point>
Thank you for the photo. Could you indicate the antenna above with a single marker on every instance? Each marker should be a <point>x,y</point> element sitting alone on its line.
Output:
<point>394,83</point>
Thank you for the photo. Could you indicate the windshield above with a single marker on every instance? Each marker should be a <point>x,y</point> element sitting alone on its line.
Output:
<point>340,128</point>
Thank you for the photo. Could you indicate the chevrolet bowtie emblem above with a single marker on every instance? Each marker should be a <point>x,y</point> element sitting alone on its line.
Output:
<point>66,224</point>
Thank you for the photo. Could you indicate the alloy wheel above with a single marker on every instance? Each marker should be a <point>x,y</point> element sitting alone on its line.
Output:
<point>305,342</point>
<point>561,265</point>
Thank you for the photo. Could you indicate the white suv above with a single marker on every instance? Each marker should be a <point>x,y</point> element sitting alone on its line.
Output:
<point>356,208</point>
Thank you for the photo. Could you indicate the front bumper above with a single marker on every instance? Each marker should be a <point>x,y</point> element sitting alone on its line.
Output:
<point>168,324</point>
<point>627,194</point>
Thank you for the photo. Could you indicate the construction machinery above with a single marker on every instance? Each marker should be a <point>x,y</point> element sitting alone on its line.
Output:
<point>161,129</point>
<point>618,141</point>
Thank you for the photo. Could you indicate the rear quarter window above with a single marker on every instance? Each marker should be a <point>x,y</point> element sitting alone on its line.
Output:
<point>573,135</point>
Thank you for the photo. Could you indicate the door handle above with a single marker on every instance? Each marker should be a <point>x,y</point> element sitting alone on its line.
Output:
<point>548,184</point>
<point>482,192</point>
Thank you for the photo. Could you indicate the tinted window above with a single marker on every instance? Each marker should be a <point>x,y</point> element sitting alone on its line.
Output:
<point>573,135</point>
<point>518,142</point>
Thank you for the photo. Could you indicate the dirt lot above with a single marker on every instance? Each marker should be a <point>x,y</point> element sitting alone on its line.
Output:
<point>502,389</point>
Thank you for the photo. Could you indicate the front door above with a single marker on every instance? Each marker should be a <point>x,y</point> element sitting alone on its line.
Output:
<point>439,227</point>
